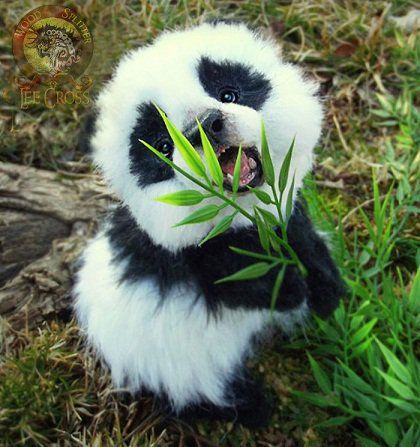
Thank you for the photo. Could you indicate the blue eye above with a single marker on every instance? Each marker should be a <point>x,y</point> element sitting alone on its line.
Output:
<point>228,95</point>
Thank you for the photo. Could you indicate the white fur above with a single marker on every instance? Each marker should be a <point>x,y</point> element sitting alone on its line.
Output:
<point>175,347</point>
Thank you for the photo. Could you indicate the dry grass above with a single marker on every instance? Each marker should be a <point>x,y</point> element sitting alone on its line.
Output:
<point>52,392</point>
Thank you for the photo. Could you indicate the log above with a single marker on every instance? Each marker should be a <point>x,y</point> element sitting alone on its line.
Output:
<point>45,220</point>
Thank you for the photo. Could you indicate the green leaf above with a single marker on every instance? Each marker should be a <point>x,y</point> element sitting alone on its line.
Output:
<point>289,202</point>
<point>363,332</point>
<point>276,288</point>
<point>251,272</point>
<point>268,216</point>
<point>390,433</point>
<point>266,161</point>
<point>365,442</point>
<point>396,366</point>
<point>414,297</point>
<point>320,376</point>
<point>187,151</point>
<point>252,254</point>
<point>316,399</point>
<point>403,404</point>
<point>201,215</point>
<point>402,390</point>
<point>262,233</point>
<point>360,349</point>
<point>362,400</point>
<point>219,228</point>
<point>211,158</point>
<point>408,440</point>
<point>284,170</point>
<point>182,198</point>
<point>261,195</point>
<point>334,422</point>
<point>355,380</point>
<point>237,171</point>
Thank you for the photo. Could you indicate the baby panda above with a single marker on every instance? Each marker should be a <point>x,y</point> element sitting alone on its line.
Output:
<point>145,294</point>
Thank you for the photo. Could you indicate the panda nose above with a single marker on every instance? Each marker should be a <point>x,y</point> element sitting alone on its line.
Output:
<point>212,122</point>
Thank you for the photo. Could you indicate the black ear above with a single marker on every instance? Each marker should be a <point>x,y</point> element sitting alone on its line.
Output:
<point>222,20</point>
<point>324,281</point>
<point>86,132</point>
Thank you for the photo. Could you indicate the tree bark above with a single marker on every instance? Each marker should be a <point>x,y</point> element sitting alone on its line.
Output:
<point>45,219</point>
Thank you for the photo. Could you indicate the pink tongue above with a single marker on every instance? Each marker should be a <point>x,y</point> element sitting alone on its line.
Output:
<point>229,167</point>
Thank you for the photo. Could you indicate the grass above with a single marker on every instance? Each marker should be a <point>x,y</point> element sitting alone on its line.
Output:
<point>351,380</point>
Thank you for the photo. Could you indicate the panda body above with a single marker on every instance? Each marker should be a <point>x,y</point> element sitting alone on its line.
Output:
<point>145,294</point>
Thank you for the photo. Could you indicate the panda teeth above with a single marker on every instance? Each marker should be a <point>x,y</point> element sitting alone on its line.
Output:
<point>252,163</point>
<point>230,177</point>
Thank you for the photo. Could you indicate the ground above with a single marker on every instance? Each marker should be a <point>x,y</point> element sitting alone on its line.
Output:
<point>349,381</point>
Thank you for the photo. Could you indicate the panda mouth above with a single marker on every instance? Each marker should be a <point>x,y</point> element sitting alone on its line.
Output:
<point>251,167</point>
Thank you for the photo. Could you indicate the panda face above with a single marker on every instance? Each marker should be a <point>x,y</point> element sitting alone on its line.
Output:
<point>229,78</point>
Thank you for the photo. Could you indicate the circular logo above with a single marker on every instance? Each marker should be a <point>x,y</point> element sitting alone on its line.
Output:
<point>51,41</point>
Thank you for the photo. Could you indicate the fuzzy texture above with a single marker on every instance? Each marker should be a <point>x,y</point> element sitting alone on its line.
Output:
<point>145,294</point>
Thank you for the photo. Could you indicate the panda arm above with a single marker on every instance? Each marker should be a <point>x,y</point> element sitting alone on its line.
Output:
<point>323,280</point>
<point>322,287</point>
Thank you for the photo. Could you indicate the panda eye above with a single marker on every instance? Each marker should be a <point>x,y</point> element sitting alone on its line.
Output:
<point>228,94</point>
<point>166,147</point>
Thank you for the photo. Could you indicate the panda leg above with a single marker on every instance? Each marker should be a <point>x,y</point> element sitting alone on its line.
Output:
<point>253,408</point>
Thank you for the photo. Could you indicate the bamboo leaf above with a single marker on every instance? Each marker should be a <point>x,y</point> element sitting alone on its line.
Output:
<point>182,198</point>
<point>284,170</point>
<point>334,422</point>
<point>237,171</point>
<point>320,376</point>
<point>219,228</point>
<point>396,366</point>
<point>276,288</point>
<point>201,215</point>
<point>211,158</point>
<point>262,233</point>
<point>403,404</point>
<point>363,332</point>
<point>316,399</point>
<point>268,216</point>
<point>251,272</point>
<point>261,195</point>
<point>355,380</point>
<point>252,254</point>
<point>187,151</point>
<point>289,202</point>
<point>266,161</point>
<point>402,390</point>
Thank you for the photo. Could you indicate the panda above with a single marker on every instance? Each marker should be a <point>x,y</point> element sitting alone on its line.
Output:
<point>145,293</point>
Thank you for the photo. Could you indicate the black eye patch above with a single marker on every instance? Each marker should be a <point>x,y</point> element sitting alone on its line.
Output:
<point>144,164</point>
<point>252,87</point>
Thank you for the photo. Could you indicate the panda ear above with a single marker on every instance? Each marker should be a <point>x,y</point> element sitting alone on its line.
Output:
<point>215,20</point>
<point>86,131</point>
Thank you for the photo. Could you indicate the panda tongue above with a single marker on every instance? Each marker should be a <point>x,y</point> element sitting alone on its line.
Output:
<point>229,166</point>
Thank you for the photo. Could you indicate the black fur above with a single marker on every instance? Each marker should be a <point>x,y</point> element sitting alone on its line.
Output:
<point>253,407</point>
<point>252,404</point>
<point>214,260</point>
<point>150,128</point>
<point>324,281</point>
<point>252,86</point>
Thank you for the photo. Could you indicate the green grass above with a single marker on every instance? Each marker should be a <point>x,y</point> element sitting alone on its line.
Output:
<point>351,380</point>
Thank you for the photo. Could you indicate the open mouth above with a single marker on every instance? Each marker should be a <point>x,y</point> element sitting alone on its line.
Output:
<point>251,167</point>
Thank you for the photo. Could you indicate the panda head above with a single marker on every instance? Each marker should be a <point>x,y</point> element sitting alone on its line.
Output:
<point>228,77</point>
